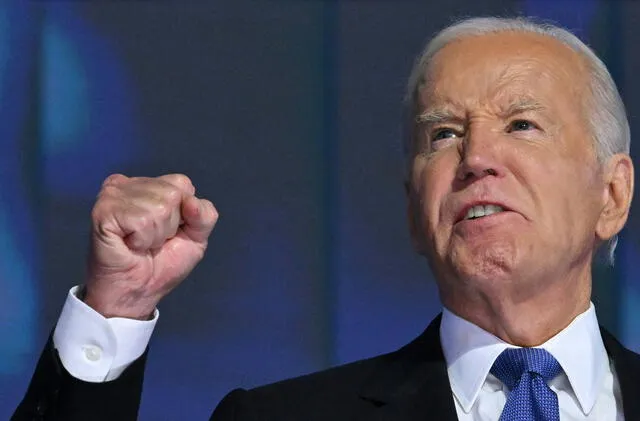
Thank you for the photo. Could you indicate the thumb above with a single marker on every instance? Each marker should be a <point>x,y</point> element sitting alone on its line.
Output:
<point>199,216</point>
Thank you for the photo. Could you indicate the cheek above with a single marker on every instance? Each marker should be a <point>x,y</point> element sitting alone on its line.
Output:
<point>432,183</point>
<point>566,192</point>
<point>581,200</point>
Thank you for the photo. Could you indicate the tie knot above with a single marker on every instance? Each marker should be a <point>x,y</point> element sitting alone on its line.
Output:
<point>514,362</point>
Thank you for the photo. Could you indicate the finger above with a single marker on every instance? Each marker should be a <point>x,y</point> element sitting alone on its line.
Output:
<point>180,181</point>
<point>200,216</point>
<point>163,202</point>
<point>114,179</point>
<point>157,197</point>
<point>162,219</point>
<point>138,229</point>
<point>142,226</point>
<point>154,189</point>
<point>138,191</point>
<point>143,232</point>
<point>145,211</point>
<point>167,224</point>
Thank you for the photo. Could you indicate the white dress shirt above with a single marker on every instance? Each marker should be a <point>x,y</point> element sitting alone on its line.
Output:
<point>96,349</point>
<point>587,388</point>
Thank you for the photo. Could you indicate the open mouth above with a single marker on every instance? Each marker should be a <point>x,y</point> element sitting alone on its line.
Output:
<point>480,211</point>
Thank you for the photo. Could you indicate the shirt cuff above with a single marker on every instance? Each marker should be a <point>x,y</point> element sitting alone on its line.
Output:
<point>96,349</point>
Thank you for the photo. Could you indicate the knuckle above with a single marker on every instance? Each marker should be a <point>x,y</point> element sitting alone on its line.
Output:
<point>101,222</point>
<point>100,227</point>
<point>102,208</point>
<point>173,195</point>
<point>140,183</point>
<point>97,214</point>
<point>113,178</point>
<point>141,222</point>
<point>181,181</point>
<point>108,190</point>
<point>163,210</point>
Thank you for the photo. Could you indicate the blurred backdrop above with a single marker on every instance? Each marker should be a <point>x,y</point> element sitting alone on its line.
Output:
<point>287,114</point>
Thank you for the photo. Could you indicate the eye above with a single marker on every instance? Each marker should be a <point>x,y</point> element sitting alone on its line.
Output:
<point>521,125</point>
<point>443,133</point>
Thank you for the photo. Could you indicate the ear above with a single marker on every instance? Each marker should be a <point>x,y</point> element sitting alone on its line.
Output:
<point>413,218</point>
<point>618,177</point>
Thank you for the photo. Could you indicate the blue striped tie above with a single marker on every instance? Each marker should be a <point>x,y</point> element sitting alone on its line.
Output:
<point>526,371</point>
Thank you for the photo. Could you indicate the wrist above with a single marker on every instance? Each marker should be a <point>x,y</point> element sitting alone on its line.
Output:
<point>127,305</point>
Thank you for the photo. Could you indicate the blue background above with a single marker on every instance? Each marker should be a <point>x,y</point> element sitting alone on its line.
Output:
<point>287,114</point>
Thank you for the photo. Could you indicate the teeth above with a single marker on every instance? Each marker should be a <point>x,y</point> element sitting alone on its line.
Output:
<point>482,210</point>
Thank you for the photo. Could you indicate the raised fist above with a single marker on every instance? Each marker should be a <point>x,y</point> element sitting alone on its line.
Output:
<point>147,235</point>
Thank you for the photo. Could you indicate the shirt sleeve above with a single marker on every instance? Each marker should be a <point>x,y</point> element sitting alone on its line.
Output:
<point>98,349</point>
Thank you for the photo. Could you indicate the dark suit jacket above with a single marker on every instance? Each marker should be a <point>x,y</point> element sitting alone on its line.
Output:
<point>408,384</point>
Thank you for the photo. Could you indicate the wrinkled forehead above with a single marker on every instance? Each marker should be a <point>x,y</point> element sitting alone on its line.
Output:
<point>502,67</point>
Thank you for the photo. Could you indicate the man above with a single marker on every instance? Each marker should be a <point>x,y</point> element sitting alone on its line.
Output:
<point>518,173</point>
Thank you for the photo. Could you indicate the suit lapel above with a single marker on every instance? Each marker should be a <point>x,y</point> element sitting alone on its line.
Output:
<point>411,383</point>
<point>627,367</point>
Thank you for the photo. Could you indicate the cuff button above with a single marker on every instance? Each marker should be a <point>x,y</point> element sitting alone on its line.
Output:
<point>92,353</point>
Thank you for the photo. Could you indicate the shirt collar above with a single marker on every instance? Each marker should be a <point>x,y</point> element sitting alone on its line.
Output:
<point>471,351</point>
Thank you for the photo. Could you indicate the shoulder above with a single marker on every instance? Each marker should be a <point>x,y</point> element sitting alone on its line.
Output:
<point>327,394</point>
<point>620,355</point>
<point>360,376</point>
<point>344,377</point>
<point>626,364</point>
<point>338,393</point>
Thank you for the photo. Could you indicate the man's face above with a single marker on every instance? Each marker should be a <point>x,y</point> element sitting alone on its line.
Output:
<point>504,134</point>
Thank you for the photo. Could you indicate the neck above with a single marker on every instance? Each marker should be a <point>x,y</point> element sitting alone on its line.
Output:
<point>523,317</point>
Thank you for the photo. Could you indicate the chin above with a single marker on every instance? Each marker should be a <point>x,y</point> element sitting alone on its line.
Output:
<point>485,263</point>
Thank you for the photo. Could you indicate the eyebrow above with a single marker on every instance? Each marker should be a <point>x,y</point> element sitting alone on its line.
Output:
<point>520,105</point>
<point>436,116</point>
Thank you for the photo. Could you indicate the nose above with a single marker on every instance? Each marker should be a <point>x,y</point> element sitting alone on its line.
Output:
<point>479,155</point>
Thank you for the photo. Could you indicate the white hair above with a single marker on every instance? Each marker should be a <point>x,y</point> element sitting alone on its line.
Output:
<point>605,110</point>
